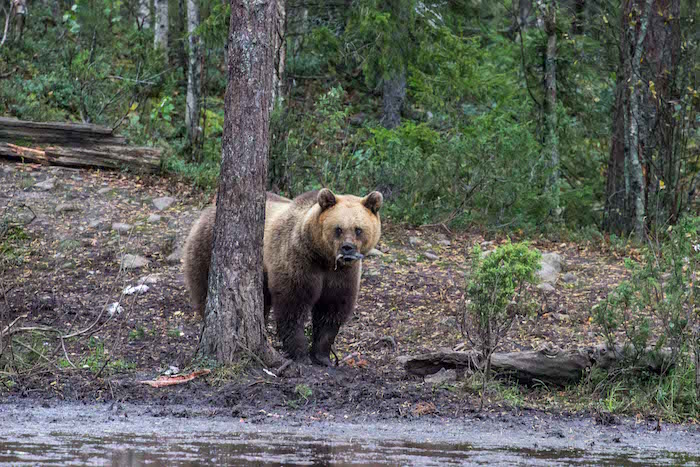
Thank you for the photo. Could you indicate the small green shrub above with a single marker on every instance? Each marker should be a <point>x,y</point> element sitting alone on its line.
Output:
<point>497,294</point>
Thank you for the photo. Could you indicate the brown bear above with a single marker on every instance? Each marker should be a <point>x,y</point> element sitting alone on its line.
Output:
<point>313,250</point>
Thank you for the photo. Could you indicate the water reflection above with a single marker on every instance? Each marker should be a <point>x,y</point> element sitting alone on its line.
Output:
<point>264,449</point>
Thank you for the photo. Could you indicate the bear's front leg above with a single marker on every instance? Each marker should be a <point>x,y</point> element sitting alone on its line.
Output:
<point>290,319</point>
<point>327,319</point>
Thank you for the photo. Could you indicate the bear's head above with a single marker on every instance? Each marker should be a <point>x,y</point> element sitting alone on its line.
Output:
<point>348,226</point>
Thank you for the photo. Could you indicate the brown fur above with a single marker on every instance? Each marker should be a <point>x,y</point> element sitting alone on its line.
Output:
<point>303,274</point>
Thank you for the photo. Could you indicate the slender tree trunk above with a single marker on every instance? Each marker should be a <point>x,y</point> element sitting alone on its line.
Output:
<point>234,309</point>
<point>393,96</point>
<point>280,52</point>
<point>551,140</point>
<point>144,14</point>
<point>194,77</point>
<point>524,11</point>
<point>637,188</point>
<point>160,38</point>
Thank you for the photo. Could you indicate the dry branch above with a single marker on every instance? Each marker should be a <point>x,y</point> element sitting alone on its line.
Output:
<point>551,366</point>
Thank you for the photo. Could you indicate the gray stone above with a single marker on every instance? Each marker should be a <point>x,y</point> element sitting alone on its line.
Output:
<point>568,277</point>
<point>550,267</point>
<point>431,256</point>
<point>130,261</point>
<point>121,227</point>
<point>444,242</point>
<point>175,257</point>
<point>370,272</point>
<point>104,190</point>
<point>413,241</point>
<point>47,184</point>
<point>67,207</point>
<point>442,376</point>
<point>154,219</point>
<point>163,202</point>
<point>546,287</point>
<point>374,253</point>
<point>486,244</point>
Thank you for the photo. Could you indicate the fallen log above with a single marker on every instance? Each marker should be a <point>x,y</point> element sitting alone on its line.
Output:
<point>115,157</point>
<point>551,366</point>
<point>73,145</point>
<point>137,159</point>
<point>25,133</point>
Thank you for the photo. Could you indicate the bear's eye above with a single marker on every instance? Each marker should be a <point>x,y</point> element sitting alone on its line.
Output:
<point>358,231</point>
<point>338,231</point>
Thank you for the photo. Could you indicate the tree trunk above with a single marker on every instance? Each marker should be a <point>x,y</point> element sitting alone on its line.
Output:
<point>279,42</point>
<point>524,11</point>
<point>551,140</point>
<point>625,207</point>
<point>394,93</point>
<point>160,38</point>
<point>637,187</point>
<point>194,76</point>
<point>144,14</point>
<point>234,308</point>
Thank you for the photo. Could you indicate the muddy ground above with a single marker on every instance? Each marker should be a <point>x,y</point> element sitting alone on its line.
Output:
<point>127,434</point>
<point>62,270</point>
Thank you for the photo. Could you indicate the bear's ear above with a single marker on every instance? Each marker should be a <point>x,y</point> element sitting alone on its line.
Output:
<point>373,201</point>
<point>326,199</point>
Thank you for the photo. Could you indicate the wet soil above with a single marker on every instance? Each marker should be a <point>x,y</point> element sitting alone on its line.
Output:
<point>61,271</point>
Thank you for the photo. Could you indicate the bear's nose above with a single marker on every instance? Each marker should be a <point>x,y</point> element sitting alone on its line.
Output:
<point>347,248</point>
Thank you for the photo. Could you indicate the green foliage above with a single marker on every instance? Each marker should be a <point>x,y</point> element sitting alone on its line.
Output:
<point>497,289</point>
<point>657,305</point>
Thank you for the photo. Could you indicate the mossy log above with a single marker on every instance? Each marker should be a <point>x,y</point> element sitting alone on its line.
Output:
<point>551,366</point>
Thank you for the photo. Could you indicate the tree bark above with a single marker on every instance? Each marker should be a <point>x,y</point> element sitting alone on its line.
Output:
<point>524,11</point>
<point>637,187</point>
<point>234,308</point>
<point>551,140</point>
<point>144,14</point>
<point>393,95</point>
<point>160,38</point>
<point>280,52</point>
<point>194,77</point>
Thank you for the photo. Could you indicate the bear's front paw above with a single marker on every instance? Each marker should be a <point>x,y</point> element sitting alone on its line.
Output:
<point>321,359</point>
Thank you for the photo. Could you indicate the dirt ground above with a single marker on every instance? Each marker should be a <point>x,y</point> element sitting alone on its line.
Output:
<point>61,271</point>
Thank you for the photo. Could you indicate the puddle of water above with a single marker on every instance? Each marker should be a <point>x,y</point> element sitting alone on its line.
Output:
<point>271,448</point>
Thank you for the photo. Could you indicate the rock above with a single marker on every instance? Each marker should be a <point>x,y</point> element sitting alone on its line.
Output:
<point>114,308</point>
<point>431,256</point>
<point>374,253</point>
<point>121,227</point>
<point>163,202</point>
<point>67,207</point>
<point>444,242</point>
<point>47,184</point>
<point>175,256</point>
<point>154,218</point>
<point>546,287</point>
<point>486,244</point>
<point>413,241</point>
<point>442,376</point>
<point>568,277</point>
<point>550,267</point>
<point>370,272</point>
<point>150,279</point>
<point>131,289</point>
<point>104,190</point>
<point>130,261</point>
